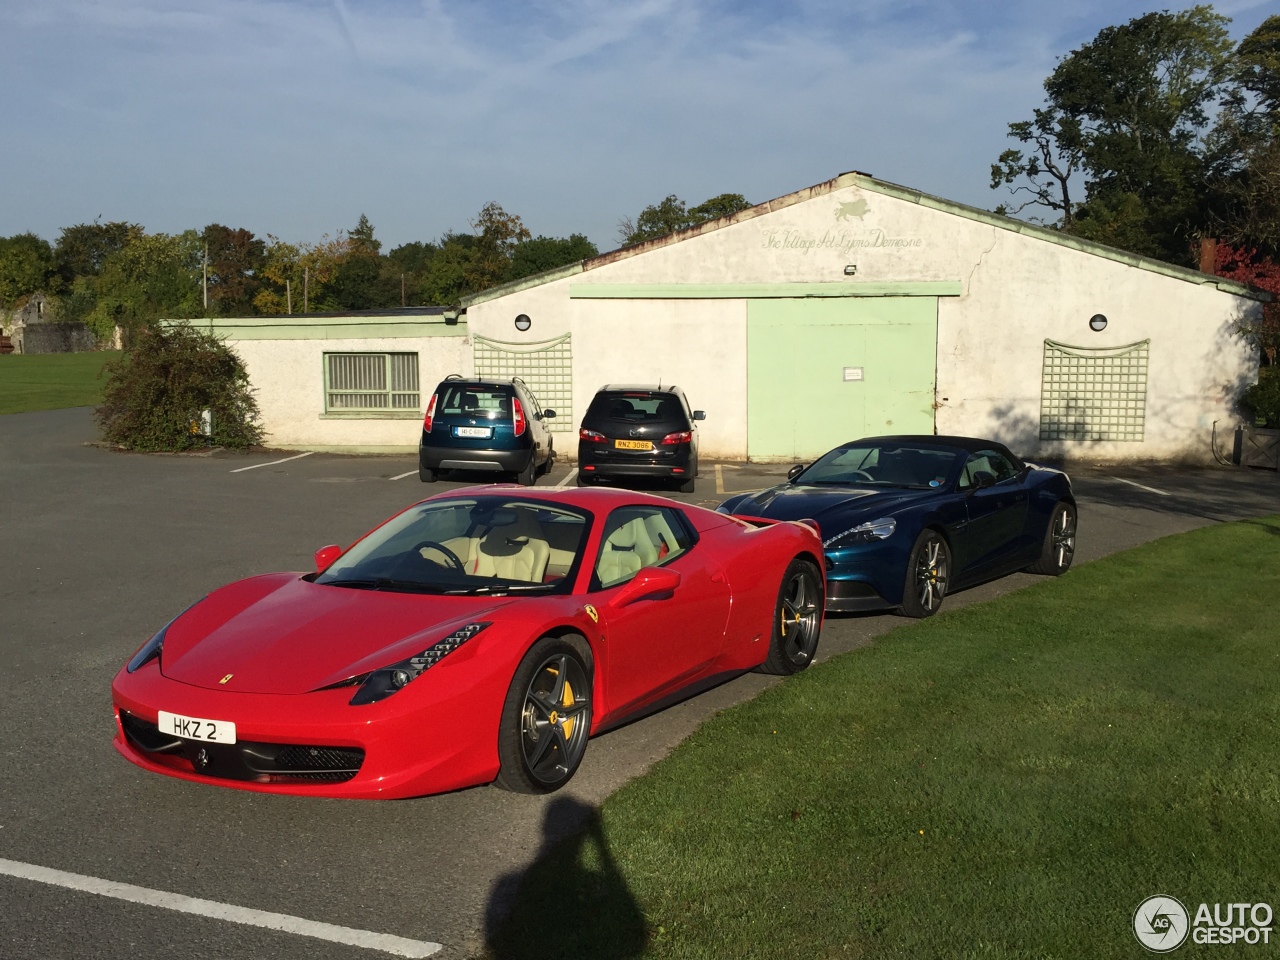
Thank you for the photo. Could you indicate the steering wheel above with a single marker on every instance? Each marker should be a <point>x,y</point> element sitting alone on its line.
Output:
<point>866,476</point>
<point>449,554</point>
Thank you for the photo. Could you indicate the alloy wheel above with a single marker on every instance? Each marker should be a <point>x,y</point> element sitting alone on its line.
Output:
<point>933,569</point>
<point>556,720</point>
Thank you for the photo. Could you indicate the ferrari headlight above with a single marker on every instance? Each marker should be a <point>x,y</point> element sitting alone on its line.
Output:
<point>383,683</point>
<point>880,529</point>
<point>150,650</point>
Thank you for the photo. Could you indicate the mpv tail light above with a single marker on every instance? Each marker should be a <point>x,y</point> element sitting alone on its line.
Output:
<point>517,411</point>
<point>431,412</point>
<point>591,436</point>
<point>684,436</point>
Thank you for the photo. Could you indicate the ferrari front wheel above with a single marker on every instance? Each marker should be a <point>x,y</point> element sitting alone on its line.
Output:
<point>797,620</point>
<point>546,719</point>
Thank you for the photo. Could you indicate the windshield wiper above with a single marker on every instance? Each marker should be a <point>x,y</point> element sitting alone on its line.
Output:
<point>385,583</point>
<point>495,589</point>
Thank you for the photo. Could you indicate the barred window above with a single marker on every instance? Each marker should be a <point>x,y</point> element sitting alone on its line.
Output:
<point>371,382</point>
<point>1094,393</point>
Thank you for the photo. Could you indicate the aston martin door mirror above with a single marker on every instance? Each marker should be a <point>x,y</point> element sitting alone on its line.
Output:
<point>651,583</point>
<point>326,555</point>
<point>983,479</point>
<point>795,471</point>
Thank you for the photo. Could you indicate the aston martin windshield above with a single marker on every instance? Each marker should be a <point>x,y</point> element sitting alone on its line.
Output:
<point>884,465</point>
<point>476,545</point>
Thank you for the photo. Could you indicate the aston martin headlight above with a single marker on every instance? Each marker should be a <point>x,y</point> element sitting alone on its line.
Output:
<point>880,529</point>
<point>383,683</point>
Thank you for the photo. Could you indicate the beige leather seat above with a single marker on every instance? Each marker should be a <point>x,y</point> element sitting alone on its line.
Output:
<point>625,551</point>
<point>516,551</point>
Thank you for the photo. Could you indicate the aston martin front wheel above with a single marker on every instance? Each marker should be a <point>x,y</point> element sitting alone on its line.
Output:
<point>797,620</point>
<point>1059,547</point>
<point>546,719</point>
<point>928,575</point>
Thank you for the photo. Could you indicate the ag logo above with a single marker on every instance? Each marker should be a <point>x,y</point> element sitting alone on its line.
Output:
<point>592,613</point>
<point>1160,924</point>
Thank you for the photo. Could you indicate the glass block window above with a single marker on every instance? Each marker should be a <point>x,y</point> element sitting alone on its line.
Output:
<point>1094,393</point>
<point>371,382</point>
<point>546,367</point>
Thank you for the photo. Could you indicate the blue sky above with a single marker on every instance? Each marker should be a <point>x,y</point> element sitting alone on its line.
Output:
<point>293,117</point>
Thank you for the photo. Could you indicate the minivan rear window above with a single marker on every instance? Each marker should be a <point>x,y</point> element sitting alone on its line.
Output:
<point>470,400</point>
<point>634,406</point>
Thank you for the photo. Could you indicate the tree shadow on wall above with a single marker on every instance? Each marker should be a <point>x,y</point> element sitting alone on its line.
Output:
<point>573,901</point>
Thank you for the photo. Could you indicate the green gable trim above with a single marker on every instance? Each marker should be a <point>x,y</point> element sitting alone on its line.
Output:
<point>524,283</point>
<point>1052,236</point>
<point>759,291</point>
<point>302,327</point>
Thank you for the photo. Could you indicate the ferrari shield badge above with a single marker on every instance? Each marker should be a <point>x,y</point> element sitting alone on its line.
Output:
<point>226,678</point>
<point>591,612</point>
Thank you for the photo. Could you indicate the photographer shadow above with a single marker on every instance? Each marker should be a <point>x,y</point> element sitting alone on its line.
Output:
<point>571,902</point>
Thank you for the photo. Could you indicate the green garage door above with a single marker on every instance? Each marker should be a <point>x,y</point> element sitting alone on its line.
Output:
<point>823,371</point>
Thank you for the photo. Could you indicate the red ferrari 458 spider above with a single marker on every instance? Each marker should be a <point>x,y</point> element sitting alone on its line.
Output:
<point>485,633</point>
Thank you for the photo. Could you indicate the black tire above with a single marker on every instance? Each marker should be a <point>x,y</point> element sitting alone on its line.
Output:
<point>797,620</point>
<point>529,475</point>
<point>584,481</point>
<point>686,486</point>
<point>548,463</point>
<point>426,475</point>
<point>928,575</point>
<point>1059,543</point>
<point>555,675</point>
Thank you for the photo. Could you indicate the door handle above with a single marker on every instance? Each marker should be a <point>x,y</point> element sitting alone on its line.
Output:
<point>719,577</point>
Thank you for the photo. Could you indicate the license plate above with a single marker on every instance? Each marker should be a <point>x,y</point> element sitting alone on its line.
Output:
<point>194,728</point>
<point>472,431</point>
<point>633,445</point>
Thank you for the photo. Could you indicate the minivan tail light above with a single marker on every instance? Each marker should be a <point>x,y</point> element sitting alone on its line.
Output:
<point>431,412</point>
<point>684,436</point>
<point>517,411</point>
<point>591,436</point>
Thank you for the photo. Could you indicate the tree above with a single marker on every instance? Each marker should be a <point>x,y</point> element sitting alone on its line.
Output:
<point>154,276</point>
<point>235,256</point>
<point>1129,110</point>
<point>497,234</point>
<point>82,250</point>
<point>661,219</point>
<point>361,238</point>
<point>547,253</point>
<point>26,267</point>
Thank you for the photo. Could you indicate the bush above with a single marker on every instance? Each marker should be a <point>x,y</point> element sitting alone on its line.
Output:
<point>1261,402</point>
<point>155,393</point>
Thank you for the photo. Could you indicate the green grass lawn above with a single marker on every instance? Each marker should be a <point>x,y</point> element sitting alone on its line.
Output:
<point>51,381</point>
<point>1007,780</point>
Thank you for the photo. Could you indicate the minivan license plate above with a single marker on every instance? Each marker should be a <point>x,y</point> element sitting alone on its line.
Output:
<point>194,728</point>
<point>633,444</point>
<point>472,431</point>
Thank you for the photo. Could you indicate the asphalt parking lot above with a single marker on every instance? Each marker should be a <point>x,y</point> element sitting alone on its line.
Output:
<point>100,548</point>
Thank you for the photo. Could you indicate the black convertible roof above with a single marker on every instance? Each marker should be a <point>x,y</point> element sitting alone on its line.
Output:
<point>967,444</point>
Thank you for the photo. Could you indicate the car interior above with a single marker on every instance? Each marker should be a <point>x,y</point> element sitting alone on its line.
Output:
<point>643,539</point>
<point>520,548</point>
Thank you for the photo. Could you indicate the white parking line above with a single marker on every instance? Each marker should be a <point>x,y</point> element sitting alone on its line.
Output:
<point>272,463</point>
<point>411,473</point>
<point>567,480</point>
<point>386,943</point>
<point>1163,493</point>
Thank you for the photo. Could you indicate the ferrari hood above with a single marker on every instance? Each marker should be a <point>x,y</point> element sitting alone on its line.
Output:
<point>284,635</point>
<point>824,504</point>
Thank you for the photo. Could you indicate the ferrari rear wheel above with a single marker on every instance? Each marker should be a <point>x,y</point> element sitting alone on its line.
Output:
<point>797,620</point>
<point>928,575</point>
<point>546,719</point>
<point>1059,543</point>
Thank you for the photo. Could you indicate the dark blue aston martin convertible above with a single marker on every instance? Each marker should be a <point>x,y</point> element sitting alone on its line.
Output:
<point>905,520</point>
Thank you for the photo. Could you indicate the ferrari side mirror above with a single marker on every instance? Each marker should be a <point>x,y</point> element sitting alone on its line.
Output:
<point>651,583</point>
<point>326,555</point>
<point>795,471</point>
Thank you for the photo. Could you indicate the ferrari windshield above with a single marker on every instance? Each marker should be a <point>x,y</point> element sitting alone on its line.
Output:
<point>883,465</point>
<point>468,545</point>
